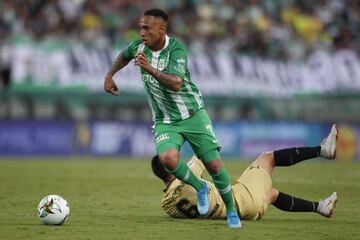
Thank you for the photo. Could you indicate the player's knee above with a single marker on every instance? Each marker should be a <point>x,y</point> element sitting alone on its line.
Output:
<point>213,166</point>
<point>170,158</point>
<point>266,161</point>
<point>268,158</point>
<point>273,195</point>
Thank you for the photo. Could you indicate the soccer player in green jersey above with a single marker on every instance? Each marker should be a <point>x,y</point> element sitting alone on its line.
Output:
<point>177,109</point>
<point>253,191</point>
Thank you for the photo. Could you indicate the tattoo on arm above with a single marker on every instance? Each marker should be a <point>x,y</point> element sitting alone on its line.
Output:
<point>118,64</point>
<point>171,81</point>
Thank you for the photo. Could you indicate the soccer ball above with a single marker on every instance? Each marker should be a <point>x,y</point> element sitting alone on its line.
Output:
<point>53,210</point>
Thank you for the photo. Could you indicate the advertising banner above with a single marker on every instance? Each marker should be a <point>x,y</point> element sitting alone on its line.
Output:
<point>347,145</point>
<point>240,140</point>
<point>27,138</point>
<point>127,139</point>
<point>357,143</point>
<point>37,66</point>
<point>246,140</point>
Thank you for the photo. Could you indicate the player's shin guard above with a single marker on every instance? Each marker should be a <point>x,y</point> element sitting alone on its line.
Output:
<point>183,173</point>
<point>291,156</point>
<point>222,182</point>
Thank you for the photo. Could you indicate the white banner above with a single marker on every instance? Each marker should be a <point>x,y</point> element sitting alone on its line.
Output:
<point>78,66</point>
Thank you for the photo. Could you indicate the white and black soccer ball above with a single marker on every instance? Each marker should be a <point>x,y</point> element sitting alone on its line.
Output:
<point>53,210</point>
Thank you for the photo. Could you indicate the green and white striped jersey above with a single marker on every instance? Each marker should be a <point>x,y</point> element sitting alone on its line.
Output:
<point>168,106</point>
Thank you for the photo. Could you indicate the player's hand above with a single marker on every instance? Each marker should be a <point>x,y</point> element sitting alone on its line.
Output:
<point>110,86</point>
<point>142,61</point>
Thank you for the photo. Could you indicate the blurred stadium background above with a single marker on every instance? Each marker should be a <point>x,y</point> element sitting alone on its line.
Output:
<point>274,74</point>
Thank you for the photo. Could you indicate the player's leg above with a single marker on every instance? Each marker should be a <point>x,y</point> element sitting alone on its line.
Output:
<point>266,161</point>
<point>222,182</point>
<point>287,157</point>
<point>199,132</point>
<point>170,159</point>
<point>253,185</point>
<point>291,156</point>
<point>290,203</point>
<point>220,178</point>
<point>168,146</point>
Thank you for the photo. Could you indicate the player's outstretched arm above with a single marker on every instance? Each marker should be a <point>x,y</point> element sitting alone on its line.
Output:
<point>109,83</point>
<point>171,81</point>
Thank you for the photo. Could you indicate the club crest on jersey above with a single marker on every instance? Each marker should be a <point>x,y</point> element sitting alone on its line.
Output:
<point>162,137</point>
<point>180,68</point>
<point>161,65</point>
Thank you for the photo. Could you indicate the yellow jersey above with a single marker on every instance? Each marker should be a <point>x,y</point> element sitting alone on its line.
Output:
<point>180,199</point>
<point>250,190</point>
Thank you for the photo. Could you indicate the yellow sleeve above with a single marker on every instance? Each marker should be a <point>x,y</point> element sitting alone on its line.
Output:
<point>196,166</point>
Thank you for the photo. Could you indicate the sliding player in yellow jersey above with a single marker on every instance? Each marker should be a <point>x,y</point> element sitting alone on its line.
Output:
<point>253,191</point>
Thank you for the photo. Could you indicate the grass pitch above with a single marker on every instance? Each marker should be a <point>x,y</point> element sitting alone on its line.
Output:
<point>120,199</point>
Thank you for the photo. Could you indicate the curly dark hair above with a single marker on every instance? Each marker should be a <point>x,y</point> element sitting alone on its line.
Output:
<point>157,13</point>
<point>159,169</point>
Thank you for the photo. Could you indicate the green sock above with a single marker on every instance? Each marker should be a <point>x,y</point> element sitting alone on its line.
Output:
<point>183,173</point>
<point>223,184</point>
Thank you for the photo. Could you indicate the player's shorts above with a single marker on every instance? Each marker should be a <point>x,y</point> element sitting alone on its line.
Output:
<point>197,130</point>
<point>250,192</point>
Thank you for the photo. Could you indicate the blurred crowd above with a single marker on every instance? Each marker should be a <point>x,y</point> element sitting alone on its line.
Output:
<point>274,29</point>
<point>277,29</point>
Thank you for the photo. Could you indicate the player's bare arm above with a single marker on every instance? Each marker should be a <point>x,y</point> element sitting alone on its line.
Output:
<point>109,83</point>
<point>171,81</point>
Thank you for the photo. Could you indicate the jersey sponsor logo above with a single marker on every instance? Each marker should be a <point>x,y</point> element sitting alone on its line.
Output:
<point>181,60</point>
<point>176,193</point>
<point>148,78</point>
<point>162,137</point>
<point>186,208</point>
<point>212,213</point>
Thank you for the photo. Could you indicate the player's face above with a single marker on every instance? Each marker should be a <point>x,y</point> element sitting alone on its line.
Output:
<point>152,30</point>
